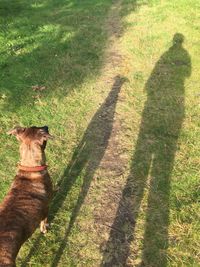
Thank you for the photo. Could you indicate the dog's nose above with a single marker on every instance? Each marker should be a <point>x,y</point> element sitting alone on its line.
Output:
<point>46,129</point>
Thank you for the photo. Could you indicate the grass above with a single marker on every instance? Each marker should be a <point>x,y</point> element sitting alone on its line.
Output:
<point>61,45</point>
<point>40,42</point>
<point>161,111</point>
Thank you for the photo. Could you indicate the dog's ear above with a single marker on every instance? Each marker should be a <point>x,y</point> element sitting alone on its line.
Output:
<point>17,131</point>
<point>44,134</point>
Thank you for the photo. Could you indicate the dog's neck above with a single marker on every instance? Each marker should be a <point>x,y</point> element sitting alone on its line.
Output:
<point>31,155</point>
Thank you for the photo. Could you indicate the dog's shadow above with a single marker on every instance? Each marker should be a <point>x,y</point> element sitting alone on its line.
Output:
<point>87,157</point>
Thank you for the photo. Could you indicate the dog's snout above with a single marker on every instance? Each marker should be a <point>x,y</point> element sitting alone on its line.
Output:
<point>46,129</point>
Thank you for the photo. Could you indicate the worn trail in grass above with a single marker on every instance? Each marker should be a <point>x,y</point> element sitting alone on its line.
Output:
<point>122,99</point>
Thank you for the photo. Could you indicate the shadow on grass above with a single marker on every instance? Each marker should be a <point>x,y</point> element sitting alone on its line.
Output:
<point>87,158</point>
<point>152,163</point>
<point>57,44</point>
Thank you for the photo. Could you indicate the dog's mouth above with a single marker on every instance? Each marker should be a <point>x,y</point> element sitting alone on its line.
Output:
<point>43,146</point>
<point>46,129</point>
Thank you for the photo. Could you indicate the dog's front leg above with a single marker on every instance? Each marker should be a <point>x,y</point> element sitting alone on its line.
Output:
<point>43,226</point>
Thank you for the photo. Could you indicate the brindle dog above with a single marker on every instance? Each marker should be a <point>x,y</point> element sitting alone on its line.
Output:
<point>26,204</point>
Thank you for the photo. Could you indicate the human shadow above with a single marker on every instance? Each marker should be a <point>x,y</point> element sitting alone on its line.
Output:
<point>152,163</point>
<point>84,162</point>
<point>88,157</point>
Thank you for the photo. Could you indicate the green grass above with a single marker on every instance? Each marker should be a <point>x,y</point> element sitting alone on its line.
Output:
<point>162,109</point>
<point>57,44</point>
<point>61,45</point>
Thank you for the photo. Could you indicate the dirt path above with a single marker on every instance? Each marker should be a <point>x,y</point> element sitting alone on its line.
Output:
<point>109,179</point>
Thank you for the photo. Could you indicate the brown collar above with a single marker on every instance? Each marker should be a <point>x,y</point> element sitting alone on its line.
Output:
<point>32,169</point>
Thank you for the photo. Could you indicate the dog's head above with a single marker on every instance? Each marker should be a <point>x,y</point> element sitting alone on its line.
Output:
<point>32,136</point>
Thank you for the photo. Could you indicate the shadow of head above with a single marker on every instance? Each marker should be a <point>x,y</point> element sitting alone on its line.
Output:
<point>178,39</point>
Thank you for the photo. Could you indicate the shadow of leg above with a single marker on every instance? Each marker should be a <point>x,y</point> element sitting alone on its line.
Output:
<point>117,248</point>
<point>157,214</point>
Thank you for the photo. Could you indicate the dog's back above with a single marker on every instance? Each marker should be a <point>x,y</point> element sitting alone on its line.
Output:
<point>24,207</point>
<point>26,204</point>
